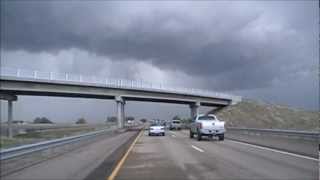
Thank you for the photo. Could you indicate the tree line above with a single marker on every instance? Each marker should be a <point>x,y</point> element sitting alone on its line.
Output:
<point>110,119</point>
<point>45,120</point>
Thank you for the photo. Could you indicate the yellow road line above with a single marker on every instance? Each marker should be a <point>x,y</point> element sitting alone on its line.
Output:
<point>123,159</point>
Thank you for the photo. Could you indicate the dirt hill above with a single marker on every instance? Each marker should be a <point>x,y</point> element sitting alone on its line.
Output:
<point>252,114</point>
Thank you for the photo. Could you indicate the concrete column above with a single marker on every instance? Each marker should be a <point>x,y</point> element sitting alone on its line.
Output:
<point>194,109</point>
<point>10,98</point>
<point>119,114</point>
<point>120,111</point>
<point>9,133</point>
<point>123,113</point>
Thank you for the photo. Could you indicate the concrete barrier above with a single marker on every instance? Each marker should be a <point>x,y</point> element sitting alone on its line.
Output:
<point>304,143</point>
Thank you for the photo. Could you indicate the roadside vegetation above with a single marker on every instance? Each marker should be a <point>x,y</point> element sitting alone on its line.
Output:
<point>253,114</point>
<point>38,135</point>
<point>42,120</point>
<point>81,121</point>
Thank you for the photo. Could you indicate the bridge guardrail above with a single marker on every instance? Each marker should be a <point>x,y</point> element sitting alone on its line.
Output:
<point>30,148</point>
<point>109,82</point>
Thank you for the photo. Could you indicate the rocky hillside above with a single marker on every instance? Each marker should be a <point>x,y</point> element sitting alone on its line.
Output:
<point>252,114</point>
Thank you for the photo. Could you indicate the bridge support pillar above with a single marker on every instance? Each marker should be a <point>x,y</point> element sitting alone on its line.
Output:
<point>10,98</point>
<point>194,109</point>
<point>120,111</point>
<point>9,130</point>
<point>123,113</point>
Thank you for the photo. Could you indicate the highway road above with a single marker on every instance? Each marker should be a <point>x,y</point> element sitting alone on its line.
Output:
<point>175,156</point>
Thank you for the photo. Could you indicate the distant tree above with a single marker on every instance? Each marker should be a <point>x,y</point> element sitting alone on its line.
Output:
<point>143,120</point>
<point>111,119</point>
<point>42,120</point>
<point>36,120</point>
<point>81,121</point>
<point>176,117</point>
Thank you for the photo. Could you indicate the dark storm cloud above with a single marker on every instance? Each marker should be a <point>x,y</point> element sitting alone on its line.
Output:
<point>230,46</point>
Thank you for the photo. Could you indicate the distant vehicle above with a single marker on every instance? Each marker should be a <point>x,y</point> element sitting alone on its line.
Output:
<point>207,125</point>
<point>156,129</point>
<point>167,126</point>
<point>130,122</point>
<point>175,124</point>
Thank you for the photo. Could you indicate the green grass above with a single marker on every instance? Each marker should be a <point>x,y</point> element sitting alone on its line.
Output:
<point>16,141</point>
<point>6,142</point>
<point>29,135</point>
<point>32,137</point>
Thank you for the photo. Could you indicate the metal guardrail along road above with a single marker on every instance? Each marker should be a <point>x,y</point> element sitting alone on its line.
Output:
<point>309,134</point>
<point>30,148</point>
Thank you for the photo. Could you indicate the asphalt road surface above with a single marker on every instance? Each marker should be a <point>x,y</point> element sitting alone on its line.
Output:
<point>176,156</point>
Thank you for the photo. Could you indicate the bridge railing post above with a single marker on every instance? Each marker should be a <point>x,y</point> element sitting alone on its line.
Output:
<point>51,76</point>
<point>35,74</point>
<point>18,72</point>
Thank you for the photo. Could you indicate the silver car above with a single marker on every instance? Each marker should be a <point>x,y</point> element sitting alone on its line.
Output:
<point>175,124</point>
<point>156,129</point>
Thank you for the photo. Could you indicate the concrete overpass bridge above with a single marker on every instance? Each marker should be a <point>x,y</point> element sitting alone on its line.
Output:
<point>15,82</point>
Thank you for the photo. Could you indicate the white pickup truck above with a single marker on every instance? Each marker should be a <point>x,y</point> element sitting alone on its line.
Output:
<point>207,125</point>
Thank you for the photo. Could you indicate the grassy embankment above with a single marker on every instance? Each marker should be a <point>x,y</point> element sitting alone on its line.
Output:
<point>253,114</point>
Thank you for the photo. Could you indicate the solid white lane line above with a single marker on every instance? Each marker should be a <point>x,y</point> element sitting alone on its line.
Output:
<point>275,150</point>
<point>196,148</point>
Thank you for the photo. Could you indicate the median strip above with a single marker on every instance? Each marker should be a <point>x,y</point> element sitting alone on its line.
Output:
<point>196,148</point>
<point>123,159</point>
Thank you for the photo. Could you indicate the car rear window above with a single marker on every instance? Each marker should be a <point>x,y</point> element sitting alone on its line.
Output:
<point>206,118</point>
<point>176,122</point>
<point>155,124</point>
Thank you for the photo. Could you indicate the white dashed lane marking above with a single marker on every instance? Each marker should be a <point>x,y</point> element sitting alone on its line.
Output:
<point>196,148</point>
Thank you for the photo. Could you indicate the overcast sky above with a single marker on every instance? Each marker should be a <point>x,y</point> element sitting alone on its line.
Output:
<point>261,50</point>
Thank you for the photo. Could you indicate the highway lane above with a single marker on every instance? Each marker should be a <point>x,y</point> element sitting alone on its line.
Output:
<point>175,156</point>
